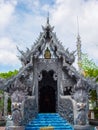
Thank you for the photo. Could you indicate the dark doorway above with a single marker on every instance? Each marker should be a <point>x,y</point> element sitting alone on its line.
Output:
<point>47,93</point>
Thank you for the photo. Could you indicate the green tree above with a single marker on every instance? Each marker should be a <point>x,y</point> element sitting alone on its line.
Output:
<point>1,100</point>
<point>89,68</point>
<point>9,74</point>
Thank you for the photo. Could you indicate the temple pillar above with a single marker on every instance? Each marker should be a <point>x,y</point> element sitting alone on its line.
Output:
<point>5,103</point>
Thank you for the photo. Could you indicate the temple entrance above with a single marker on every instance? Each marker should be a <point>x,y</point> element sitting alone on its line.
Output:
<point>47,93</point>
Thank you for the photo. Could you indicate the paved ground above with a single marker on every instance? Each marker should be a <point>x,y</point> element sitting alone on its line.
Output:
<point>2,128</point>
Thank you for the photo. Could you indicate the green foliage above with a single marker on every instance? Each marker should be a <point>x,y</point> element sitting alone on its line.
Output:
<point>2,123</point>
<point>1,103</point>
<point>93,95</point>
<point>87,63</point>
<point>1,92</point>
<point>8,74</point>
<point>96,112</point>
<point>89,68</point>
<point>1,100</point>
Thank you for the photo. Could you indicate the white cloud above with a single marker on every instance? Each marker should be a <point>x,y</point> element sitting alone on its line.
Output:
<point>8,52</point>
<point>93,52</point>
<point>6,11</point>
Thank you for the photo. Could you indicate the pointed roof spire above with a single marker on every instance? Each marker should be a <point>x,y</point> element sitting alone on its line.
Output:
<point>48,18</point>
<point>48,26</point>
<point>78,47</point>
<point>78,34</point>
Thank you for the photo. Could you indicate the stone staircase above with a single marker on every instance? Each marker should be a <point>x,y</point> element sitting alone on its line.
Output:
<point>53,120</point>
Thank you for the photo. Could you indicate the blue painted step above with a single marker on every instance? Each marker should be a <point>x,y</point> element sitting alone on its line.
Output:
<point>44,120</point>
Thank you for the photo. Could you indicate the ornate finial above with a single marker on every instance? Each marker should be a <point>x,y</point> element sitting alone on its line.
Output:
<point>78,36</point>
<point>79,47</point>
<point>48,18</point>
<point>48,26</point>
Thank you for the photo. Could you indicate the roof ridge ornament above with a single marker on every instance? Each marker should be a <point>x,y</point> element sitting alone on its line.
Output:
<point>48,27</point>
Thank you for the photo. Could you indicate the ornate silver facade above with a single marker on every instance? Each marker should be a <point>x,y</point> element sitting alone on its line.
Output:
<point>46,82</point>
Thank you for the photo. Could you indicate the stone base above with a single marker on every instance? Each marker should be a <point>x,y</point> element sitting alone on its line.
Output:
<point>15,128</point>
<point>80,127</point>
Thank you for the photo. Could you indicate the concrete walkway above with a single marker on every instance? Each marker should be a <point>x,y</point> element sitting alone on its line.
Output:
<point>2,128</point>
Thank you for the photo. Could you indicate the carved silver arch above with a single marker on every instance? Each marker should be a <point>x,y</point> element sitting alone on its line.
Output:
<point>55,76</point>
<point>39,76</point>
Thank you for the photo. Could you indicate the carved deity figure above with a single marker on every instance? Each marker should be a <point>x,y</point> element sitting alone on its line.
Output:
<point>17,98</point>
<point>81,99</point>
<point>16,114</point>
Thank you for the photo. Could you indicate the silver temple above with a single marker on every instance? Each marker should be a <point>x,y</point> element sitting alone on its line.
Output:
<point>47,82</point>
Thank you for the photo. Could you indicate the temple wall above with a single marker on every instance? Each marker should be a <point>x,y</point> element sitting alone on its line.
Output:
<point>67,108</point>
<point>5,103</point>
<point>29,109</point>
<point>67,83</point>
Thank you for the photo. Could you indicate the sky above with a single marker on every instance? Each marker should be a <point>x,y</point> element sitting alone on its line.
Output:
<point>21,21</point>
